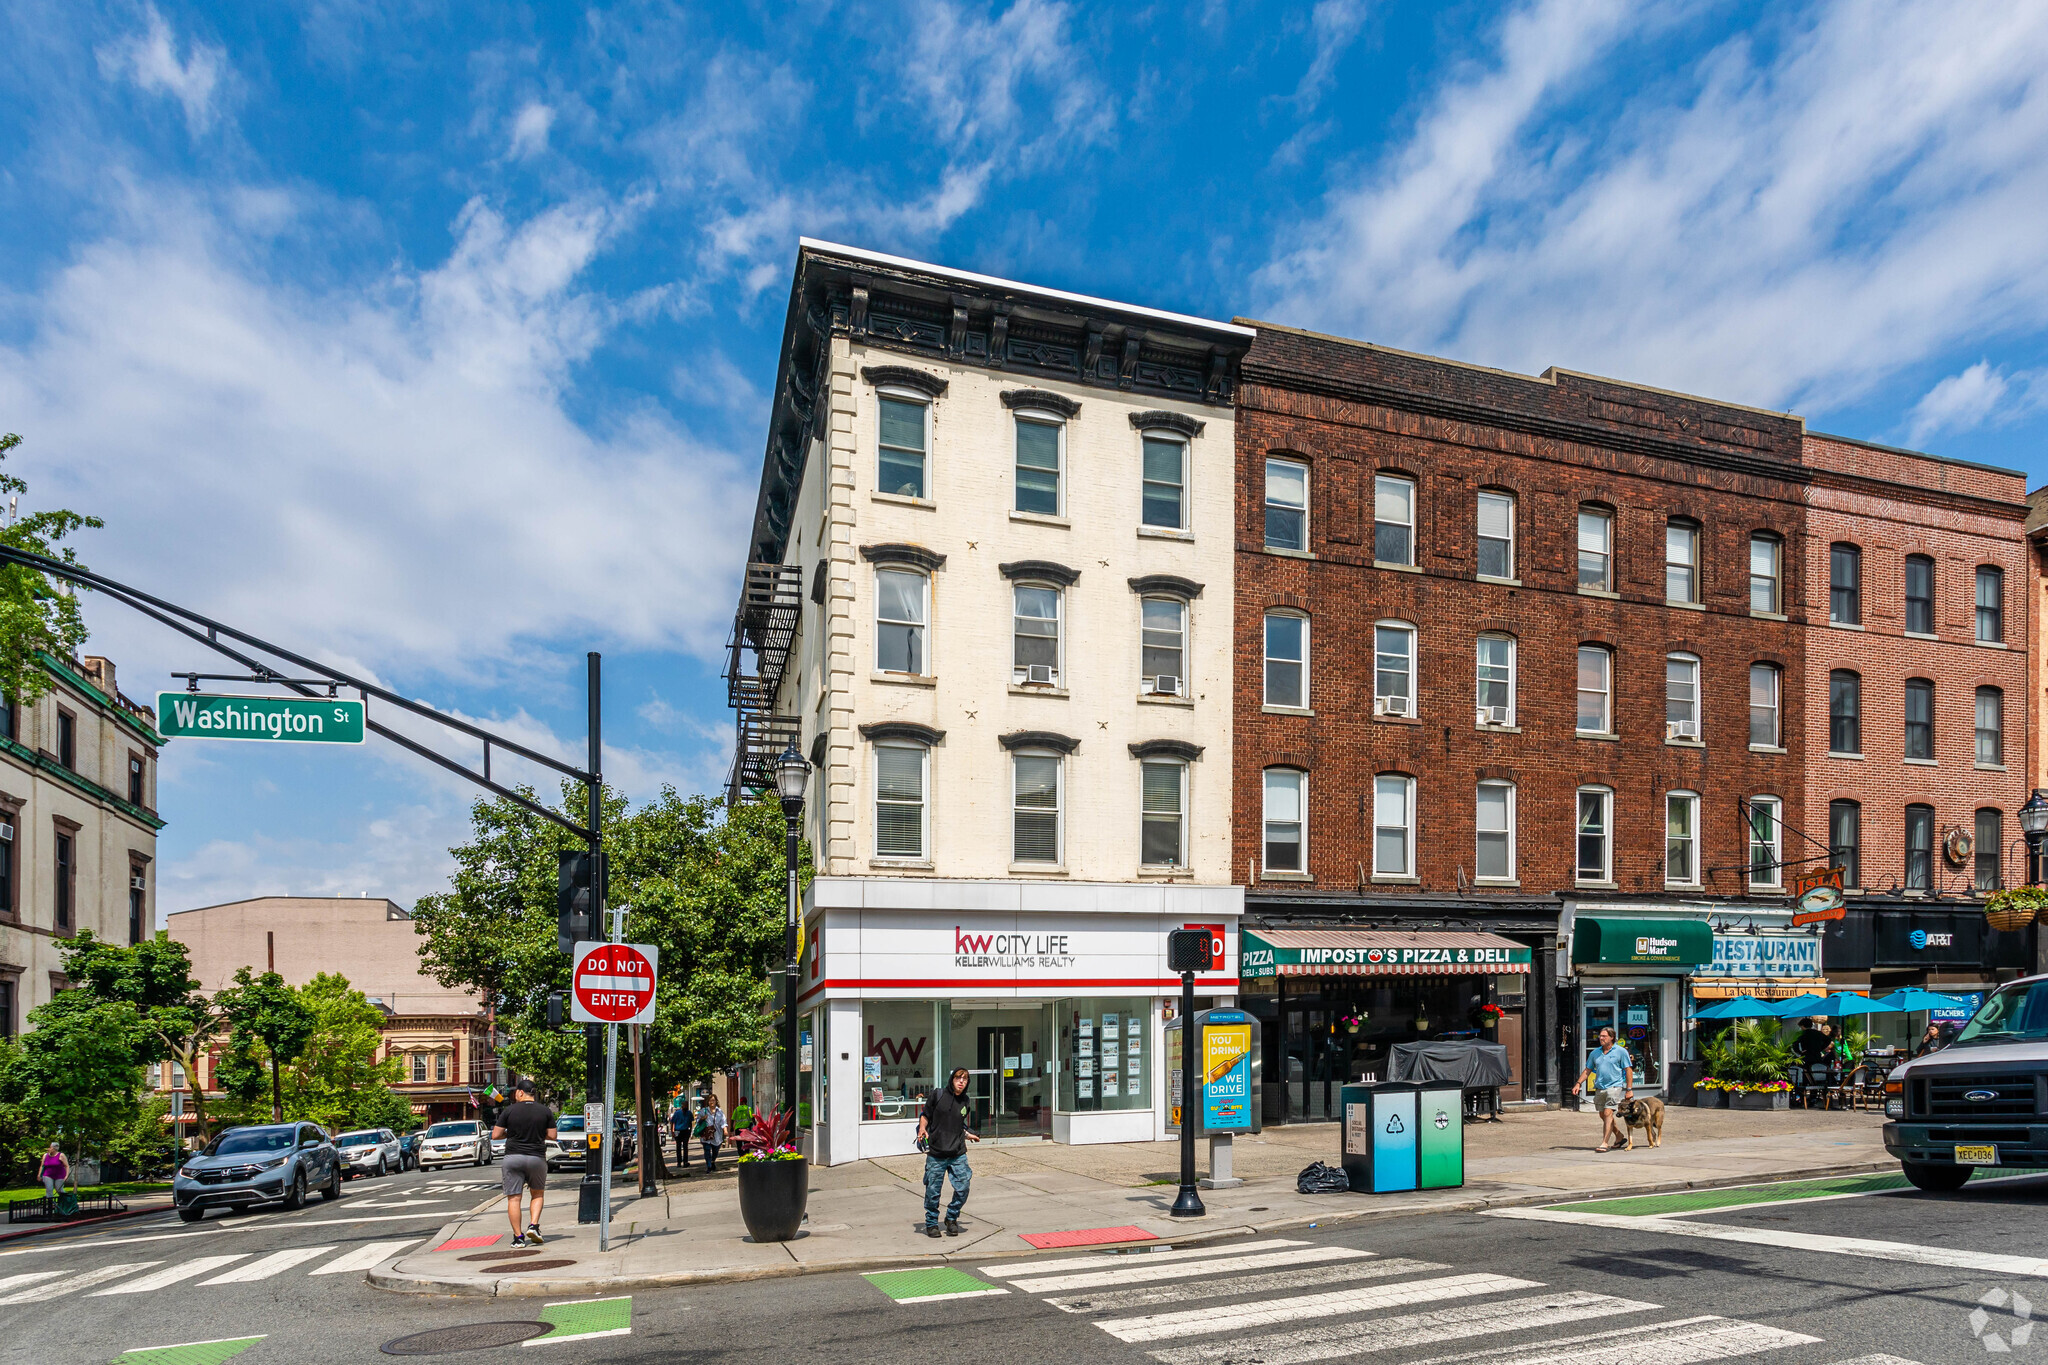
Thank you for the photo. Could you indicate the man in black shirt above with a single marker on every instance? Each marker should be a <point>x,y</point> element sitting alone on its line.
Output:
<point>526,1128</point>
<point>944,1129</point>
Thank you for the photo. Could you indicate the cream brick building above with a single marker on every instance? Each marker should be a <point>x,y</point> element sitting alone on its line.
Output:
<point>78,825</point>
<point>990,597</point>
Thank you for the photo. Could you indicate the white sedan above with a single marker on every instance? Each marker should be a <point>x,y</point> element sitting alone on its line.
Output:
<point>454,1142</point>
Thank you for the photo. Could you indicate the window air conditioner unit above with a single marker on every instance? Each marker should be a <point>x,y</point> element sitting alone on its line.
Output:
<point>6,831</point>
<point>138,882</point>
<point>1397,706</point>
<point>1497,715</point>
<point>1166,685</point>
<point>1681,729</point>
<point>1038,673</point>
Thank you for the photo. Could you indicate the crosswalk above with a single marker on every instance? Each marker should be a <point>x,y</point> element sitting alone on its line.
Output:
<point>1281,1302</point>
<point>240,1267</point>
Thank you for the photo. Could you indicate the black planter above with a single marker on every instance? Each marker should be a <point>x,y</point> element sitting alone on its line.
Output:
<point>772,1196</point>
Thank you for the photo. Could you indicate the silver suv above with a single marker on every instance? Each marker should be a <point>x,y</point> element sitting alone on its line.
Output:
<point>1979,1101</point>
<point>261,1164</point>
<point>371,1151</point>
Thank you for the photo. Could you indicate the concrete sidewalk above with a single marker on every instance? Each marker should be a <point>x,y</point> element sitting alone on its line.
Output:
<point>868,1214</point>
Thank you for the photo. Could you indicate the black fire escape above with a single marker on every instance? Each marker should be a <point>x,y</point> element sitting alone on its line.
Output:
<point>771,608</point>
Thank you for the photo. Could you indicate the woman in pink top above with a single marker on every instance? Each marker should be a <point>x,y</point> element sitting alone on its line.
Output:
<point>55,1170</point>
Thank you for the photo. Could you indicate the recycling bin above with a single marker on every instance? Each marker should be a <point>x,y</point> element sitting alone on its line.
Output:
<point>1401,1136</point>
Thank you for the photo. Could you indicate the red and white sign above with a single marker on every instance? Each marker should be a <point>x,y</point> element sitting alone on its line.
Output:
<point>613,983</point>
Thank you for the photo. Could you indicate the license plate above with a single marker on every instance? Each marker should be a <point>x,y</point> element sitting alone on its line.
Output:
<point>1977,1156</point>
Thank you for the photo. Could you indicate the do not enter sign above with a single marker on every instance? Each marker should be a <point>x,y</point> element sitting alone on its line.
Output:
<point>613,983</point>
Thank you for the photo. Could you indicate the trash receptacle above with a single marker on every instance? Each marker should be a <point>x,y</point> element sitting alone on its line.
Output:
<point>1440,1138</point>
<point>1400,1136</point>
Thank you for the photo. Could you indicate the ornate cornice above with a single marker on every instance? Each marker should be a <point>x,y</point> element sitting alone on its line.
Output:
<point>1040,400</point>
<point>917,556</point>
<point>1160,420</point>
<point>904,377</point>
<point>1167,585</point>
<point>902,729</point>
<point>1042,570</point>
<point>1039,739</point>
<point>1167,748</point>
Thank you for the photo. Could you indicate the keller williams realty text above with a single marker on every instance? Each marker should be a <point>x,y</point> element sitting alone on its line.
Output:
<point>1010,950</point>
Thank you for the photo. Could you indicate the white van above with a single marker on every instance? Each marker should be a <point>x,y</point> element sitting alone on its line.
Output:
<point>1980,1101</point>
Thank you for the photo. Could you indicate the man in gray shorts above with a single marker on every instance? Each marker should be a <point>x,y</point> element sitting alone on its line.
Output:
<point>526,1127</point>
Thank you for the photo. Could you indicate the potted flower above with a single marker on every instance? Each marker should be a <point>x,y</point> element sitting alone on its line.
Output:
<point>1710,1092</point>
<point>1352,1021</point>
<point>1489,1015</point>
<point>2012,910</point>
<point>774,1179</point>
<point>1761,1095</point>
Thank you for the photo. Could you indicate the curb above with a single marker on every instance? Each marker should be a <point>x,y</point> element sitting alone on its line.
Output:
<point>384,1277</point>
<point>46,1228</point>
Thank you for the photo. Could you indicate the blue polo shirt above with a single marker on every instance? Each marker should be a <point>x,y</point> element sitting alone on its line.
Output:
<point>1609,1066</point>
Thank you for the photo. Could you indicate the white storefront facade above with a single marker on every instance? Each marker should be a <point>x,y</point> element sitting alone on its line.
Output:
<point>1053,998</point>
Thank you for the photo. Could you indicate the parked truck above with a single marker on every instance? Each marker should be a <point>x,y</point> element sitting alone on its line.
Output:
<point>1981,1101</point>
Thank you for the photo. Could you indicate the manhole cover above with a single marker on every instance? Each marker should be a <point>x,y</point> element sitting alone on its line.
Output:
<point>473,1336</point>
<point>498,1255</point>
<point>536,1265</point>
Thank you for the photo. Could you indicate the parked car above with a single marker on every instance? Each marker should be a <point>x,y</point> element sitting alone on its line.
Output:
<point>458,1140</point>
<point>371,1151</point>
<point>498,1148</point>
<point>409,1148</point>
<point>567,1147</point>
<point>258,1164</point>
<point>1974,1103</point>
<point>625,1135</point>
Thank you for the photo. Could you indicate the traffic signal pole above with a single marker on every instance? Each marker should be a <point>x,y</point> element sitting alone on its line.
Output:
<point>590,1194</point>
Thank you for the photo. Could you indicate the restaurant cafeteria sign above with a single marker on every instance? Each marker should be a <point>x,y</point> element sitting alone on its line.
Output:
<point>1259,958</point>
<point>1766,955</point>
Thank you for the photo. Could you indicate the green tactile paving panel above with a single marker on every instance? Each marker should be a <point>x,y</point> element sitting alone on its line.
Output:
<point>586,1318</point>
<point>1700,1201</point>
<point>191,1353</point>
<point>907,1286</point>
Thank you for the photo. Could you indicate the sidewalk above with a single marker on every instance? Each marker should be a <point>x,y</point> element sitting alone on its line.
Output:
<point>868,1214</point>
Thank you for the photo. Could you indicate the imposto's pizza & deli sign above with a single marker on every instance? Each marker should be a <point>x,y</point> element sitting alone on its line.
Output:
<point>1257,958</point>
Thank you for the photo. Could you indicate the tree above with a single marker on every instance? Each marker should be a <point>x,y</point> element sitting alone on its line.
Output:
<point>337,1063</point>
<point>179,1022</point>
<point>268,1027</point>
<point>382,1107</point>
<point>35,618</point>
<point>76,1069</point>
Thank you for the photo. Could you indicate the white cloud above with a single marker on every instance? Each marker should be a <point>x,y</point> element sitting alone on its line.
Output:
<point>1335,25</point>
<point>150,59</point>
<point>1788,219</point>
<point>530,129</point>
<point>1959,402</point>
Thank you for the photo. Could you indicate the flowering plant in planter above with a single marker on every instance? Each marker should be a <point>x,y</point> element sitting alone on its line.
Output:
<point>1710,1083</point>
<point>1490,1014</point>
<point>1759,1087</point>
<point>1352,1021</point>
<point>768,1139</point>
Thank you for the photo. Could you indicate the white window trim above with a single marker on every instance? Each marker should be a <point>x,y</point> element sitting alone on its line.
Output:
<point>1777,545</point>
<point>1413,701</point>
<point>1059,638</point>
<point>1606,691</point>
<point>924,820</point>
<point>1181,865</point>
<point>1777,844</point>
<point>1187,471</point>
<point>1606,795</point>
<point>1307,633</point>
<point>924,401</point>
<point>1514,670</point>
<point>1187,622</point>
<point>1266,501</point>
<point>1300,777</point>
<point>1509,498</point>
<point>1607,555</point>
<point>1513,867</point>
<point>1698,534</point>
<point>1413,514</point>
<point>1699,716</point>
<point>1693,799</point>
<point>1408,831</point>
<point>875,586</point>
<point>1064,475</point>
<point>1059,810</point>
<point>1777,706</point>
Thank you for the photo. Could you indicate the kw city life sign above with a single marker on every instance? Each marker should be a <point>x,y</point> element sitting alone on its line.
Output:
<point>613,983</point>
<point>303,720</point>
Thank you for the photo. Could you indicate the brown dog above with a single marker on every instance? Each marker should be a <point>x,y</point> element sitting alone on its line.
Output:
<point>1647,1113</point>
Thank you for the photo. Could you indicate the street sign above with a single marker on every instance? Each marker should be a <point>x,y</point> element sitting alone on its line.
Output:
<point>302,720</point>
<point>613,983</point>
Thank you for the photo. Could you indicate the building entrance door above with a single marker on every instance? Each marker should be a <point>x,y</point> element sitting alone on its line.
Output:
<point>996,1085</point>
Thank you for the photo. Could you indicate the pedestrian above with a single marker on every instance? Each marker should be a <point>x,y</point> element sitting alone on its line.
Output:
<point>1930,1041</point>
<point>711,1128</point>
<point>679,1125</point>
<point>943,1131</point>
<point>1613,1086</point>
<point>1812,1042</point>
<point>742,1116</point>
<point>56,1170</point>
<point>526,1127</point>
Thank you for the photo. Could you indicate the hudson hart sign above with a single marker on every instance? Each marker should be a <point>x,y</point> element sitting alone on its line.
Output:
<point>305,720</point>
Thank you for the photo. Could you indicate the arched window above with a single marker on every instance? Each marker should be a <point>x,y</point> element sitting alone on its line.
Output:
<point>1286,505</point>
<point>1393,669</point>
<point>1845,712</point>
<point>1990,727</point>
<point>1393,826</point>
<point>901,601</point>
<point>1682,697</point>
<point>1763,706</point>
<point>1496,533</point>
<point>1990,852</point>
<point>1393,519</point>
<point>1493,854</point>
<point>1919,848</point>
<point>1919,595</point>
<point>1596,690</point>
<point>1496,679</point>
<point>1286,820</point>
<point>1845,585</point>
<point>1990,603</point>
<point>1766,843</point>
<point>1681,838</point>
<point>1765,568</point>
<point>1286,660</point>
<point>1845,840</point>
<point>1919,719</point>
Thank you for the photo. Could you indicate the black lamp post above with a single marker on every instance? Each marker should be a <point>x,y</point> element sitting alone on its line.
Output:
<point>2033,818</point>
<point>792,775</point>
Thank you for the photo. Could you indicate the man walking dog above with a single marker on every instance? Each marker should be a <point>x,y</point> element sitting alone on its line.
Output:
<point>1613,1086</point>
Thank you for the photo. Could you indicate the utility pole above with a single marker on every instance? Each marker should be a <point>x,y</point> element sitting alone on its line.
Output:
<point>589,1195</point>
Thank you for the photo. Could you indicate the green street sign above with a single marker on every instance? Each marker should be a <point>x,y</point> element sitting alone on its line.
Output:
<point>305,720</point>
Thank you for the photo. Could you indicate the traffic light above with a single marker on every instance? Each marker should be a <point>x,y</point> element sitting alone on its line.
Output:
<point>554,1009</point>
<point>575,874</point>
<point>1189,950</point>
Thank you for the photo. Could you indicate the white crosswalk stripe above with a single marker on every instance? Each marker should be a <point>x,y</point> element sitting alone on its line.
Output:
<point>30,1277</point>
<point>173,1274</point>
<point>1239,1316</point>
<point>71,1284</point>
<point>1149,1258</point>
<point>1242,1284</point>
<point>362,1258</point>
<point>1141,1268</point>
<point>272,1264</point>
<point>1407,1330</point>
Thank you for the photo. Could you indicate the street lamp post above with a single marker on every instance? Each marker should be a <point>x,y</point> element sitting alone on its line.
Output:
<point>792,775</point>
<point>2033,818</point>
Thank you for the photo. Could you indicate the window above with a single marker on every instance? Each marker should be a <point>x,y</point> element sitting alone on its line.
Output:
<point>1162,646</point>
<point>6,717</point>
<point>156,1075</point>
<point>1845,712</point>
<point>1036,813</point>
<point>1990,604</point>
<point>1919,718</point>
<point>1595,669</point>
<point>1766,848</point>
<point>7,904</point>
<point>899,1047</point>
<point>1493,856</point>
<point>1919,848</point>
<point>1496,535</point>
<point>899,800</point>
<point>1763,573</point>
<point>1763,705</point>
<point>1286,505</point>
<point>1393,520</point>
<point>67,875</point>
<point>1845,585</point>
<point>901,445</point>
<point>1393,827</point>
<point>1990,726</point>
<point>1596,549</point>
<point>6,1009</point>
<point>899,621</point>
<point>1036,655</point>
<point>440,1066</point>
<point>1394,670</point>
<point>1990,852</point>
<point>1165,482</point>
<point>1681,838</point>
<point>1681,562</point>
<point>1596,808</point>
<point>137,907</point>
<point>135,774</point>
<point>1162,841</point>
<point>1845,840</point>
<point>1286,821</point>
<point>1038,466</point>
<point>1919,595</point>
<point>419,1066</point>
<point>177,1075</point>
<point>1681,696</point>
<point>1496,680</point>
<point>1286,660</point>
<point>67,740</point>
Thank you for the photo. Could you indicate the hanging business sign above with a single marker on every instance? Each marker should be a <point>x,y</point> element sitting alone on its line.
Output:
<point>1817,896</point>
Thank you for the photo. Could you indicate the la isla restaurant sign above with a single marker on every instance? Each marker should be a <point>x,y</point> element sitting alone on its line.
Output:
<point>1760,955</point>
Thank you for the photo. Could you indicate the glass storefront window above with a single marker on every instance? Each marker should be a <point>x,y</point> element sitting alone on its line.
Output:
<point>899,1057</point>
<point>1005,1046</point>
<point>1636,1015</point>
<point>1105,1053</point>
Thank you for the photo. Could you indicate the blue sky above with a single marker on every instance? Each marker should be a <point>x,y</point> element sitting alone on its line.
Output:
<point>434,339</point>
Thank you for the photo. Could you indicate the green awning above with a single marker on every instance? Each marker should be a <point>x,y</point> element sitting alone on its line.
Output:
<point>1642,942</point>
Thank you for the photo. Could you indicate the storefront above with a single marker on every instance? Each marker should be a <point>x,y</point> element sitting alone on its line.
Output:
<point>1333,1001</point>
<point>1629,974</point>
<point>1053,998</point>
<point>1883,944</point>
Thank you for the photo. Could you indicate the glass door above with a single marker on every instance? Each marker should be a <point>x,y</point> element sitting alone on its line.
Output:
<point>1642,1032</point>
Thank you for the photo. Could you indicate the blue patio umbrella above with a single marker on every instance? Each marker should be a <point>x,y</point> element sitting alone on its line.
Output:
<point>1741,1007</point>
<point>1914,999</point>
<point>1800,1005</point>
<point>1843,1003</point>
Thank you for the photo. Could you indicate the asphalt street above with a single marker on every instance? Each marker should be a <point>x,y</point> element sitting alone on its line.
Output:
<point>1850,1272</point>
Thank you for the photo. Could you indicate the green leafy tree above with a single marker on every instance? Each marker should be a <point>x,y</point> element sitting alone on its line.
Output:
<point>179,1021</point>
<point>380,1106</point>
<point>35,618</point>
<point>268,1027</point>
<point>76,1069</point>
<point>337,1062</point>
